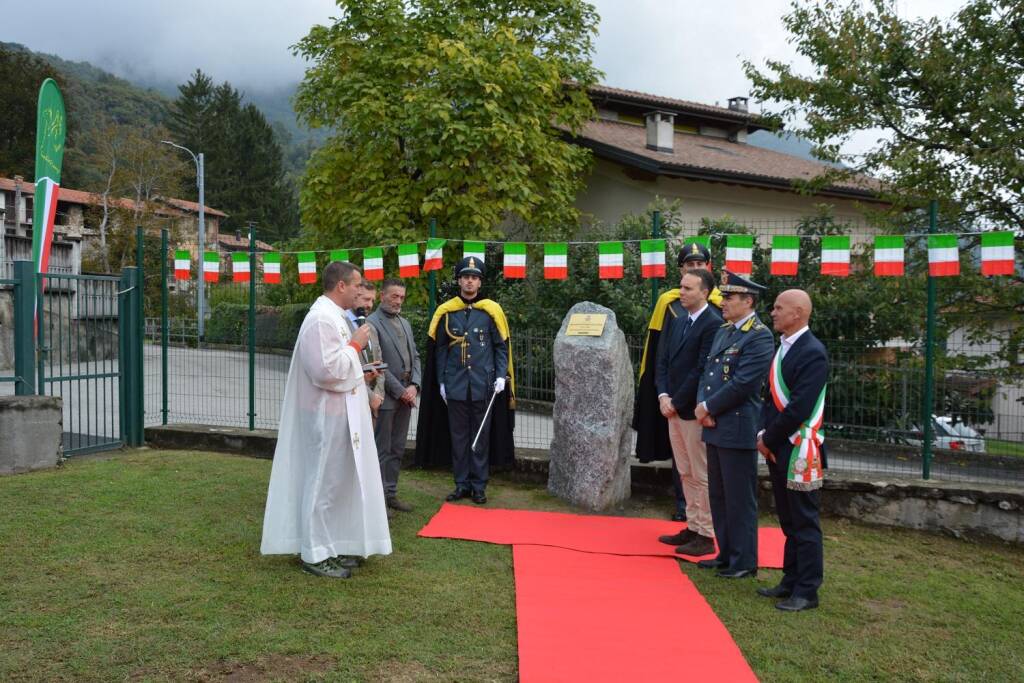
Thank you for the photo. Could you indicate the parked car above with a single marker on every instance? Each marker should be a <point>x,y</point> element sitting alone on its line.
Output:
<point>949,434</point>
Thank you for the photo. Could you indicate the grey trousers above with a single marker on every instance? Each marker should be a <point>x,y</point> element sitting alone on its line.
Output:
<point>390,433</point>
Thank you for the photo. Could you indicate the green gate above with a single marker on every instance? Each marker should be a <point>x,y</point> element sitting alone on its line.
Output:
<point>85,346</point>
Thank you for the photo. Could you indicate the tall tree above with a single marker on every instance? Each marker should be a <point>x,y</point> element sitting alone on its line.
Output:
<point>948,94</point>
<point>447,109</point>
<point>22,74</point>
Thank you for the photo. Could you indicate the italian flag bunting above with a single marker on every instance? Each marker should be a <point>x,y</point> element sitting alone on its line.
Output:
<point>556,261</point>
<point>339,255</point>
<point>211,266</point>
<point>835,255</point>
<point>609,260</point>
<point>477,249</point>
<point>997,253</point>
<point>373,263</point>
<point>785,254</point>
<point>408,260</point>
<point>739,254</point>
<point>434,257</point>
<point>700,239</point>
<point>889,255</point>
<point>652,258</point>
<point>943,256</point>
<point>240,267</point>
<point>272,268</point>
<point>182,265</point>
<point>515,260</point>
<point>307,267</point>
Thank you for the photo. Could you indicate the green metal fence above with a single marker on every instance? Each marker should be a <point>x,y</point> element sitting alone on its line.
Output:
<point>897,353</point>
<point>78,337</point>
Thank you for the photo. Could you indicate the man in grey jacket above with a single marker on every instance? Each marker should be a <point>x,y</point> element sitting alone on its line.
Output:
<point>401,387</point>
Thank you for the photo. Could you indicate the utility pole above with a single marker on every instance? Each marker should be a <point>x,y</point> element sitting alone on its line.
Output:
<point>200,182</point>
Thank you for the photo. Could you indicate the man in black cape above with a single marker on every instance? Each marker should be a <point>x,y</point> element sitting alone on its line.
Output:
<point>652,441</point>
<point>465,325</point>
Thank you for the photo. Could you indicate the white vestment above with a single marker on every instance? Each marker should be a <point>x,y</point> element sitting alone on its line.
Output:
<point>325,497</point>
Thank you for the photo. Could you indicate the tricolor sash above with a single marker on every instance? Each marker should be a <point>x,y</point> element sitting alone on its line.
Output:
<point>804,471</point>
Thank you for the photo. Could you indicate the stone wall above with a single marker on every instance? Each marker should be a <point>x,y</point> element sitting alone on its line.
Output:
<point>31,427</point>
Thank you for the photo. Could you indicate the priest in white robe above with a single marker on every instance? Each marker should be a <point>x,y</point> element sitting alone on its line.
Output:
<point>325,500</point>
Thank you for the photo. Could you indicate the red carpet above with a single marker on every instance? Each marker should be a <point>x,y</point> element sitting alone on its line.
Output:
<point>596,617</point>
<point>586,533</point>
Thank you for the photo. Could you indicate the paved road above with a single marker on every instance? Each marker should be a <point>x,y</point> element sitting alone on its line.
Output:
<point>211,386</point>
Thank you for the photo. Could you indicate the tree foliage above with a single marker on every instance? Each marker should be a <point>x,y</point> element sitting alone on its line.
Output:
<point>446,109</point>
<point>947,94</point>
<point>22,74</point>
<point>244,167</point>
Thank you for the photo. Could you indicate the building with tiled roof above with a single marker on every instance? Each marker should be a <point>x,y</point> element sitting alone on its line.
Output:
<point>648,146</point>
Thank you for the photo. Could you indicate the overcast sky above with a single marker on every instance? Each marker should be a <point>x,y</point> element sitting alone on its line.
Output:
<point>679,48</point>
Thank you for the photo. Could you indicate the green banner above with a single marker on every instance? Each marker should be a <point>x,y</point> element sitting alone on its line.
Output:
<point>51,129</point>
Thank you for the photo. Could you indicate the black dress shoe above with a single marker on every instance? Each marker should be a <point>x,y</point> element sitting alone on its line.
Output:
<point>698,546</point>
<point>775,592</point>
<point>738,574</point>
<point>457,494</point>
<point>479,498</point>
<point>713,563</point>
<point>795,604</point>
<point>679,516</point>
<point>678,539</point>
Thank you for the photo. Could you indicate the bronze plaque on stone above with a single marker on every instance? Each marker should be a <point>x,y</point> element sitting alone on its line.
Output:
<point>586,325</point>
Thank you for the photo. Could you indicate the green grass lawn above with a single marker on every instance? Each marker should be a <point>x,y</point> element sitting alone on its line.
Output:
<point>146,566</point>
<point>998,447</point>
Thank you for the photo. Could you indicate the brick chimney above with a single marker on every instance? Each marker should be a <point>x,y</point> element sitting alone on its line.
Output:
<point>660,130</point>
<point>738,104</point>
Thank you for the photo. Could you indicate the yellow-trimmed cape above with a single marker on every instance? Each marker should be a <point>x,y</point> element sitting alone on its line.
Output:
<point>491,308</point>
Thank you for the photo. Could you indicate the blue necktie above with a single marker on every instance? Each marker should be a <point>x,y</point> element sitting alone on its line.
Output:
<point>686,327</point>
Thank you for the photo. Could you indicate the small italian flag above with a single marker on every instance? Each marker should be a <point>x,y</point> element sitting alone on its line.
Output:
<point>997,253</point>
<point>272,268</point>
<point>739,254</point>
<point>307,267</point>
<point>183,265</point>
<point>652,258</point>
<point>889,255</point>
<point>785,254</point>
<point>609,260</point>
<point>835,255</point>
<point>373,263</point>
<point>211,266</point>
<point>515,260</point>
<point>339,255</point>
<point>476,249</point>
<point>434,257</point>
<point>943,256</point>
<point>240,267</point>
<point>408,260</point>
<point>556,261</point>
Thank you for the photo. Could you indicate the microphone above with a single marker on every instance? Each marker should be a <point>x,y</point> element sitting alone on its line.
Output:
<point>360,314</point>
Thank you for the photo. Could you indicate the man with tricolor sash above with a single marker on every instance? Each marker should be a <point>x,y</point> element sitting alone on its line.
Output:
<point>792,442</point>
<point>652,439</point>
<point>468,387</point>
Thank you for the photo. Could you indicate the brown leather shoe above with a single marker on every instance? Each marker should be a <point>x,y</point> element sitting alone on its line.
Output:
<point>400,505</point>
<point>697,546</point>
<point>682,537</point>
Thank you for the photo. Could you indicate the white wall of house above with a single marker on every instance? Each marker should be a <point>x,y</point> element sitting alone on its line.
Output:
<point>1008,403</point>
<point>610,194</point>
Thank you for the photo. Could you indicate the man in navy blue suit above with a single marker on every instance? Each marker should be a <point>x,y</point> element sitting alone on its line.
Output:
<point>729,407</point>
<point>791,441</point>
<point>682,350</point>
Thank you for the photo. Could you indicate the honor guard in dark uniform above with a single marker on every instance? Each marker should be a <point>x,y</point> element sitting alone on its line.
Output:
<point>472,364</point>
<point>729,407</point>
<point>652,442</point>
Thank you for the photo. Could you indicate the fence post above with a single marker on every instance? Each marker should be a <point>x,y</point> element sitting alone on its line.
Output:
<point>130,353</point>
<point>24,322</point>
<point>432,276</point>
<point>163,326</point>
<point>928,400</point>
<point>140,322</point>
<point>655,233</point>
<point>252,327</point>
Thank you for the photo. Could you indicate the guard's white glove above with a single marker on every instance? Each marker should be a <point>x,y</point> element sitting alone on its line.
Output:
<point>444,396</point>
<point>499,385</point>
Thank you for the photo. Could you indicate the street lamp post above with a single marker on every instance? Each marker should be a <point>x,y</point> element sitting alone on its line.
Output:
<point>200,176</point>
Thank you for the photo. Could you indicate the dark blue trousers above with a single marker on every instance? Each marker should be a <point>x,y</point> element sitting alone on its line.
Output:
<point>803,563</point>
<point>732,490</point>
<point>470,469</point>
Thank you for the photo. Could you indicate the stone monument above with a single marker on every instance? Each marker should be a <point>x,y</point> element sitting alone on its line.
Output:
<point>592,439</point>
